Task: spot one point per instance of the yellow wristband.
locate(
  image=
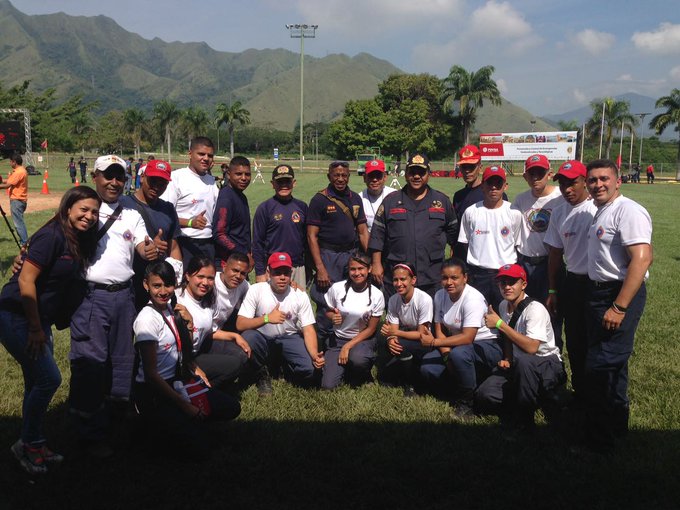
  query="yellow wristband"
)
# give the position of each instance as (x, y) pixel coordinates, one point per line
(189, 222)
(552, 291)
(266, 318)
(499, 322)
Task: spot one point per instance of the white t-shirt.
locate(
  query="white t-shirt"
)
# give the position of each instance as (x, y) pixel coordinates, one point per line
(536, 215)
(149, 326)
(356, 311)
(192, 194)
(203, 318)
(568, 231)
(467, 312)
(112, 262)
(261, 299)
(534, 323)
(372, 203)
(617, 224)
(227, 299)
(412, 314)
(491, 235)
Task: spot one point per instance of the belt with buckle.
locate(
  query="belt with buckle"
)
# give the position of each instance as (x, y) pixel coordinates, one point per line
(112, 287)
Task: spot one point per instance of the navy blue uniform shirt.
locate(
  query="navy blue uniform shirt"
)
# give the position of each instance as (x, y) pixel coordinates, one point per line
(279, 226)
(335, 227)
(48, 251)
(231, 224)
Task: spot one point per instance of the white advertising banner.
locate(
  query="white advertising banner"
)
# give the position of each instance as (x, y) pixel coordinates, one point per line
(555, 145)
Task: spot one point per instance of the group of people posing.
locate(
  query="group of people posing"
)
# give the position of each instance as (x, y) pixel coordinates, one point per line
(154, 287)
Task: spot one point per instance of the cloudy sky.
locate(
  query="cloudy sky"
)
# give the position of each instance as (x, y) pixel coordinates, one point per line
(550, 57)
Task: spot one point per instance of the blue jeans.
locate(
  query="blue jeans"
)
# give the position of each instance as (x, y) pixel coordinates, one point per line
(41, 375)
(18, 207)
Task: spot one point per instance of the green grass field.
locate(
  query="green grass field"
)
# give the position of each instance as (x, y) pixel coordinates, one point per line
(369, 447)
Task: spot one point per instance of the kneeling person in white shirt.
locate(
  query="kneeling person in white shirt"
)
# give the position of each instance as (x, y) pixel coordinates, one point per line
(531, 368)
(274, 315)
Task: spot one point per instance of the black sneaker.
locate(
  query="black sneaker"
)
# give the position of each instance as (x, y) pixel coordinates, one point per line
(463, 411)
(409, 392)
(264, 383)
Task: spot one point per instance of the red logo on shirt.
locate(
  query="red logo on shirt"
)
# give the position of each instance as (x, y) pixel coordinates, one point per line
(436, 209)
(398, 210)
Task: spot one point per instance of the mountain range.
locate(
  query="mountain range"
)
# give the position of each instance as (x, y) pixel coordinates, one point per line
(96, 57)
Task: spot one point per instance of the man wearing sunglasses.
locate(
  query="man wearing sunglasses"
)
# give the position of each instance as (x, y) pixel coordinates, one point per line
(102, 352)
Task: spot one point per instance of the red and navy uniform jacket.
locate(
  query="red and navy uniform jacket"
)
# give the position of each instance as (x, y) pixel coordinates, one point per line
(279, 226)
(405, 230)
(231, 224)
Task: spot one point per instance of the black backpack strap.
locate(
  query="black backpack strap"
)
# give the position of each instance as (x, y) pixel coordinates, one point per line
(507, 343)
(150, 226)
(109, 222)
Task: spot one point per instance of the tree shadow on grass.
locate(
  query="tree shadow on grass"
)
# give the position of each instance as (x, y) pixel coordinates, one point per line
(355, 465)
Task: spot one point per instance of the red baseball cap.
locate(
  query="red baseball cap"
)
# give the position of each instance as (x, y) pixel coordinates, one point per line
(494, 171)
(376, 165)
(158, 168)
(538, 160)
(279, 259)
(469, 155)
(571, 170)
(512, 271)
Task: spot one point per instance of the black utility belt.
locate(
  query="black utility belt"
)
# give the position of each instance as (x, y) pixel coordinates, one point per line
(534, 261)
(336, 247)
(111, 287)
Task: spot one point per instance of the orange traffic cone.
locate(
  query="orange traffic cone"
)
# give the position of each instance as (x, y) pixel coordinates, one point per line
(77, 183)
(45, 189)
(47, 175)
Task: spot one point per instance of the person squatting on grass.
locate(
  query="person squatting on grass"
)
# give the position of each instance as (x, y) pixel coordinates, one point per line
(354, 308)
(461, 343)
(32, 301)
(166, 362)
(409, 315)
(531, 368)
(221, 355)
(276, 316)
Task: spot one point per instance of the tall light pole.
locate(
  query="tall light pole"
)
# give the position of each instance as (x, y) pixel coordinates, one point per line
(642, 132)
(302, 32)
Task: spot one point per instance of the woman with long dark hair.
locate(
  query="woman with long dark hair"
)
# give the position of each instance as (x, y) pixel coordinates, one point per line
(164, 343)
(354, 307)
(220, 354)
(33, 300)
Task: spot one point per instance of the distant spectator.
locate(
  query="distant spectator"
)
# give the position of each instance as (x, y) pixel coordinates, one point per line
(83, 169)
(17, 182)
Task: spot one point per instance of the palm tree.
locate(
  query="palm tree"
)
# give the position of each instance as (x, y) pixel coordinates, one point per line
(616, 115)
(231, 115)
(167, 113)
(195, 119)
(464, 92)
(671, 116)
(134, 120)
